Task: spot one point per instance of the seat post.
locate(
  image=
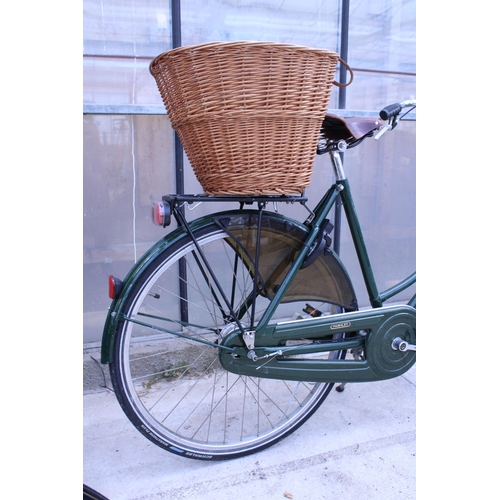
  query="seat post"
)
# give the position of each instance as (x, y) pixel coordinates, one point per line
(335, 156)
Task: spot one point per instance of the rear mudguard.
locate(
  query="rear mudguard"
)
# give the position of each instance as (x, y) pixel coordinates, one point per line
(282, 237)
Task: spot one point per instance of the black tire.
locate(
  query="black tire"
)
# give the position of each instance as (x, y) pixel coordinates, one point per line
(173, 389)
(90, 494)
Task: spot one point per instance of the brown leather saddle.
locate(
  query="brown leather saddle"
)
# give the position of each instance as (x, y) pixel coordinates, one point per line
(336, 127)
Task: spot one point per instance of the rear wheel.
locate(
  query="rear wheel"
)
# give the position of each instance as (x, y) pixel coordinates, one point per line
(172, 387)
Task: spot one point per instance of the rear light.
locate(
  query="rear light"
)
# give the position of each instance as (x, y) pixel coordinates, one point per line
(115, 287)
(161, 213)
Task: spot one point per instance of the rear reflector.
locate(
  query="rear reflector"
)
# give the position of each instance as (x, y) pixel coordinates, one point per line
(115, 287)
(160, 213)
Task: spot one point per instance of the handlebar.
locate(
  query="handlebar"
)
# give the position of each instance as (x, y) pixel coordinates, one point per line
(391, 114)
(395, 109)
(391, 110)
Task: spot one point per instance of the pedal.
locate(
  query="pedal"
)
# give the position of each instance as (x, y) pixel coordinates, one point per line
(357, 353)
(315, 313)
(398, 344)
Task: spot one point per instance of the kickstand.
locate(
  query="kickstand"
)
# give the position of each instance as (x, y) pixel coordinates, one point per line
(356, 353)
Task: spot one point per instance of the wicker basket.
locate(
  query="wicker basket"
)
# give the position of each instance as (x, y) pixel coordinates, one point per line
(248, 113)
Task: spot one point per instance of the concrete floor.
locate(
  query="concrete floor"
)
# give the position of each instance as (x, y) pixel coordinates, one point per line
(359, 445)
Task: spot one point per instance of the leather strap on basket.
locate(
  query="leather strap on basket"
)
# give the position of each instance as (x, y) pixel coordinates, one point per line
(337, 84)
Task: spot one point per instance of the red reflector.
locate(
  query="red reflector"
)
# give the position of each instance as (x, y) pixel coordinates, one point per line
(160, 213)
(115, 287)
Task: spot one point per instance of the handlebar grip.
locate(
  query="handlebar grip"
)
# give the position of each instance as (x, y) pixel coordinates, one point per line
(391, 110)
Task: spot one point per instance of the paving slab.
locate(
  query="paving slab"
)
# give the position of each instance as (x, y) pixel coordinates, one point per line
(360, 444)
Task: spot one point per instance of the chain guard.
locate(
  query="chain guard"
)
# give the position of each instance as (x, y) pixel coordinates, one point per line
(384, 360)
(380, 361)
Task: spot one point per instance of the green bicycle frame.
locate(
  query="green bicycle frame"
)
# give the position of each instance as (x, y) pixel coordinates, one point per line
(382, 325)
(266, 335)
(320, 213)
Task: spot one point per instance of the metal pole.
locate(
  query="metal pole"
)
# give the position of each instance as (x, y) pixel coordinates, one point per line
(344, 39)
(179, 152)
(344, 49)
(176, 42)
(175, 6)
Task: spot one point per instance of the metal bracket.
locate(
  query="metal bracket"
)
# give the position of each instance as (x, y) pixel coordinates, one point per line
(249, 339)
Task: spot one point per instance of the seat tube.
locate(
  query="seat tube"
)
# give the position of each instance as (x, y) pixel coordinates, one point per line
(354, 226)
(359, 244)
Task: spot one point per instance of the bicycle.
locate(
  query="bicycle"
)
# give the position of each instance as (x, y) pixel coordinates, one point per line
(230, 332)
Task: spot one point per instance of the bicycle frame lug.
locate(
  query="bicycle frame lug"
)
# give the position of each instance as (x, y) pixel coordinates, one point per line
(398, 344)
(249, 339)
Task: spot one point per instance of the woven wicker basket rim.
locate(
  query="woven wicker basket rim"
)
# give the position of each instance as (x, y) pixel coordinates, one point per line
(242, 43)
